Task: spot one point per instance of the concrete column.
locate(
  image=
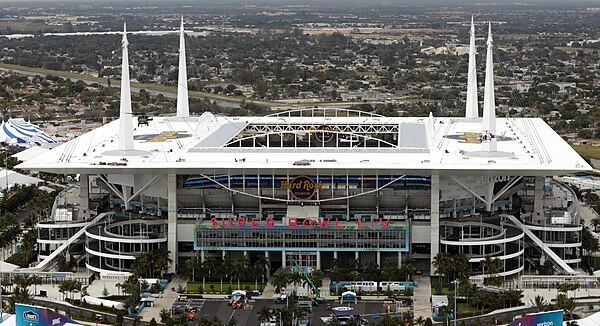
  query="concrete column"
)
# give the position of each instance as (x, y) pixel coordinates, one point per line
(490, 196)
(223, 254)
(335, 255)
(202, 256)
(318, 260)
(399, 259)
(538, 204)
(356, 255)
(435, 219)
(379, 259)
(84, 196)
(172, 220)
(283, 259)
(158, 211)
(268, 269)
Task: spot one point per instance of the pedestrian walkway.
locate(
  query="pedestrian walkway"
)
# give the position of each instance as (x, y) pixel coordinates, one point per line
(421, 298)
(268, 292)
(165, 301)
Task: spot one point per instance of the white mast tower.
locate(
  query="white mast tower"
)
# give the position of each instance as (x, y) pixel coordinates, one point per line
(488, 133)
(183, 106)
(125, 112)
(472, 110)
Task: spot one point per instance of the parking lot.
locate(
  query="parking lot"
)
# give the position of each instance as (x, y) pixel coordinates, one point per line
(189, 308)
(248, 316)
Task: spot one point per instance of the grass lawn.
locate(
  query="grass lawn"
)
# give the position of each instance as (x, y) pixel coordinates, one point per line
(194, 287)
(588, 151)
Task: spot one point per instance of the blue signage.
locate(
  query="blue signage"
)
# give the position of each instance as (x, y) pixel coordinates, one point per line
(38, 316)
(549, 318)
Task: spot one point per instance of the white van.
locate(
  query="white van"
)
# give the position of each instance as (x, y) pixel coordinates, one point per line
(364, 286)
(392, 285)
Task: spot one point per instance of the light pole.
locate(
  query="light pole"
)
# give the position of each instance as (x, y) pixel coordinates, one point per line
(455, 282)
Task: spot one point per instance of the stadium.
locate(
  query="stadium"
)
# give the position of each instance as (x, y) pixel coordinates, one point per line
(307, 186)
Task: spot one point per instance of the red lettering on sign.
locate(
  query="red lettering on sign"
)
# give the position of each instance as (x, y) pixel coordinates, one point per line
(323, 222)
(214, 222)
(384, 224)
(293, 223)
(241, 221)
(254, 224)
(269, 222)
(307, 223)
(227, 226)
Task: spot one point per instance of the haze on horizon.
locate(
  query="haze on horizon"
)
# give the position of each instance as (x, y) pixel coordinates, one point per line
(419, 3)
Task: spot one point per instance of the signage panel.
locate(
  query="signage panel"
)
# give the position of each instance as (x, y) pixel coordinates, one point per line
(38, 316)
(549, 318)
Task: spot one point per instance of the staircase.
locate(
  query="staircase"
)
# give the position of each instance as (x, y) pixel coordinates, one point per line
(560, 264)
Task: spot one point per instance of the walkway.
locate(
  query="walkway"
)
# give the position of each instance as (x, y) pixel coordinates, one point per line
(538, 242)
(164, 302)
(46, 262)
(422, 296)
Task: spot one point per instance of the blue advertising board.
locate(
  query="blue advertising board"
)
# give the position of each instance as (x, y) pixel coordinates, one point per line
(549, 318)
(39, 316)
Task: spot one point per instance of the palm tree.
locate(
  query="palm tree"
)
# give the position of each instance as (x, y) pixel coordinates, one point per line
(240, 268)
(35, 281)
(20, 295)
(259, 269)
(28, 244)
(76, 287)
(63, 288)
(491, 266)
(162, 260)
(440, 264)
(192, 265)
(460, 266)
(119, 285)
(420, 321)
(596, 223)
(296, 278)
(371, 271)
(538, 303)
(264, 314)
(281, 278)
(210, 267)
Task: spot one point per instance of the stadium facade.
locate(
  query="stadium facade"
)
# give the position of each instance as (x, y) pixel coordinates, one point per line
(305, 186)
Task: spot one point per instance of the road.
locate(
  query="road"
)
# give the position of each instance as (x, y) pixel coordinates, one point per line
(171, 92)
(222, 100)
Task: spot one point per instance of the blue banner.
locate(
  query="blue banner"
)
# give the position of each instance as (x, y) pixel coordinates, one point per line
(549, 318)
(39, 316)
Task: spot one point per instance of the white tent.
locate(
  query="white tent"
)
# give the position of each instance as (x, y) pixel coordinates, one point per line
(106, 303)
(19, 131)
(11, 178)
(592, 320)
(9, 320)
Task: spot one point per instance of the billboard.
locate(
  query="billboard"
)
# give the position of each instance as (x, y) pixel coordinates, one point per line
(39, 316)
(549, 318)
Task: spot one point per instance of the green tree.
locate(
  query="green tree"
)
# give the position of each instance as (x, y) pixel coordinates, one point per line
(35, 281)
(281, 278)
(441, 264)
(491, 267)
(264, 314)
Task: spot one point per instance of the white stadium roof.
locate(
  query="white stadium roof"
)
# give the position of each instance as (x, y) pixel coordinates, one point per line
(179, 145)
